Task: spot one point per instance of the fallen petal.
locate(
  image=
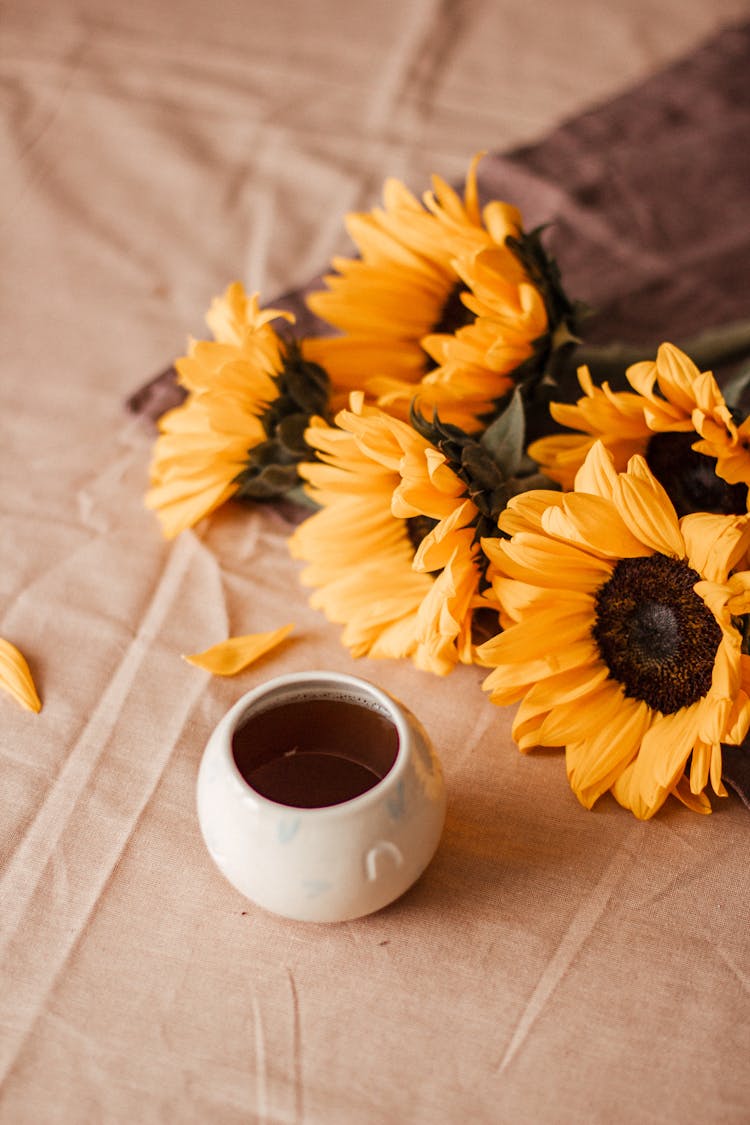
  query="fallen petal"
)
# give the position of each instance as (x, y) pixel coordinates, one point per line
(235, 654)
(15, 677)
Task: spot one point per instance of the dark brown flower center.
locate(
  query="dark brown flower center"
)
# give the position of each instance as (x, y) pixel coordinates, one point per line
(418, 528)
(303, 389)
(655, 634)
(454, 313)
(452, 316)
(690, 478)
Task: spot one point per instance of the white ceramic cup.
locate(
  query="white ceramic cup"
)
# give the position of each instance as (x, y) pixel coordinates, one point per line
(330, 863)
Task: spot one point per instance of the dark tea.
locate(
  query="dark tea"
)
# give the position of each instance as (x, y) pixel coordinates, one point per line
(314, 752)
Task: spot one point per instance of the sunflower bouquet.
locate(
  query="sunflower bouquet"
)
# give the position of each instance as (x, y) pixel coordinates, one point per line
(477, 493)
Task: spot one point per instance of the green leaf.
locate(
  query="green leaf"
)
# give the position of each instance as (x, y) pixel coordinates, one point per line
(439, 433)
(505, 438)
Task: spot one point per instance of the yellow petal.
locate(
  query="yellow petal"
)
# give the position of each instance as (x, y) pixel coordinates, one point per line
(444, 617)
(677, 376)
(15, 677)
(235, 654)
(571, 684)
(524, 512)
(573, 720)
(627, 793)
(594, 763)
(579, 683)
(471, 192)
(548, 632)
(715, 770)
(396, 641)
(739, 584)
(597, 473)
(699, 766)
(714, 543)
(738, 721)
(178, 508)
(662, 756)
(509, 681)
(439, 545)
(561, 456)
(697, 802)
(516, 598)
(647, 510)
(548, 563)
(593, 523)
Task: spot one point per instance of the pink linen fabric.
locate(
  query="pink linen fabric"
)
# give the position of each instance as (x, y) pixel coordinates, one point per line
(553, 964)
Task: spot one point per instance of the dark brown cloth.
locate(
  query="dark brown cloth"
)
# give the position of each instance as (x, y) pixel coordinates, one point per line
(647, 201)
(646, 197)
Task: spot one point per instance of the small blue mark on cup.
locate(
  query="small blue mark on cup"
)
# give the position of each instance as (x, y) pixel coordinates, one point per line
(397, 802)
(315, 887)
(287, 830)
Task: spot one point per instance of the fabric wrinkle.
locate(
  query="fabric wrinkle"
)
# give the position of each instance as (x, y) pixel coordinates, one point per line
(569, 946)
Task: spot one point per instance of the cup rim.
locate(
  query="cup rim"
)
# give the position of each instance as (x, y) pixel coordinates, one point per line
(233, 719)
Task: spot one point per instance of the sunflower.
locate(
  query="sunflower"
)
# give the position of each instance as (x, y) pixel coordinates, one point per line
(202, 448)
(727, 442)
(620, 639)
(392, 551)
(242, 331)
(425, 271)
(675, 417)
(477, 365)
(236, 319)
(239, 431)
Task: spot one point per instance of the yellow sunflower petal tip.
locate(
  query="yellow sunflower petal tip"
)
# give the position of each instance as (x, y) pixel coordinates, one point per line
(15, 677)
(237, 653)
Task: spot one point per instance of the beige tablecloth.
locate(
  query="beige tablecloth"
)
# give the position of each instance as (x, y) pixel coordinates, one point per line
(552, 965)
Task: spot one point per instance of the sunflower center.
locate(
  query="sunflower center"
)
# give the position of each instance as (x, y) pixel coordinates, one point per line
(690, 478)
(418, 528)
(454, 313)
(303, 390)
(655, 634)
